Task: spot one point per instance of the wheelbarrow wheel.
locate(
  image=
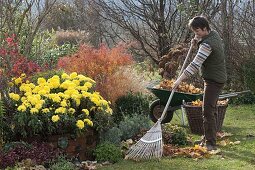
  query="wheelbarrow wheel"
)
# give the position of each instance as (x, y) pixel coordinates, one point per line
(156, 110)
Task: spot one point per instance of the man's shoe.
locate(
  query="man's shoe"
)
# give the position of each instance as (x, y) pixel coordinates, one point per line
(210, 147)
(200, 142)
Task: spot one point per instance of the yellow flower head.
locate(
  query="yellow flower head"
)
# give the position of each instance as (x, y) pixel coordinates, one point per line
(64, 76)
(108, 110)
(86, 111)
(88, 122)
(41, 80)
(80, 124)
(18, 81)
(45, 110)
(63, 103)
(14, 96)
(22, 108)
(77, 82)
(34, 110)
(73, 75)
(55, 118)
(88, 84)
(71, 110)
(23, 75)
(60, 110)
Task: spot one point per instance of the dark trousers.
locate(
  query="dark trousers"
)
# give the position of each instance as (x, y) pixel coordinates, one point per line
(211, 94)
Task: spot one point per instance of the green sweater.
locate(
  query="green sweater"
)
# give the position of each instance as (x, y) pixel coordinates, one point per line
(214, 67)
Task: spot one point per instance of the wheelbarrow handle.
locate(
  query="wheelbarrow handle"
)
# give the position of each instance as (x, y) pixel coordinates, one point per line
(234, 94)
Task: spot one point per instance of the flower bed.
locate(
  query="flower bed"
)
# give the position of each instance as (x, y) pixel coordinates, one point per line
(62, 104)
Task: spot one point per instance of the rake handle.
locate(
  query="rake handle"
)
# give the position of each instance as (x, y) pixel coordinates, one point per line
(173, 90)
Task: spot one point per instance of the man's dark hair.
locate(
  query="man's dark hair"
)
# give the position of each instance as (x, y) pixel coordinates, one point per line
(199, 22)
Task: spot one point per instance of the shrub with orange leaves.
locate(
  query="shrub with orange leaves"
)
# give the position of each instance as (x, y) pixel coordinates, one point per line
(100, 64)
(125, 80)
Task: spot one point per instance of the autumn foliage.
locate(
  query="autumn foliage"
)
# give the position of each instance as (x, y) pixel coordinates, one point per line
(100, 64)
(12, 62)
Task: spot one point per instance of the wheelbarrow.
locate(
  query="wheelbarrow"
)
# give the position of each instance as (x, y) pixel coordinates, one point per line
(158, 105)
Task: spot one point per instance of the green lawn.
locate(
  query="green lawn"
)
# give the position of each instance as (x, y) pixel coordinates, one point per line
(239, 120)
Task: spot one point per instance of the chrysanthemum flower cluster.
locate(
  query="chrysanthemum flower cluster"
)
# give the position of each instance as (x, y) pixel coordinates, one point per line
(60, 98)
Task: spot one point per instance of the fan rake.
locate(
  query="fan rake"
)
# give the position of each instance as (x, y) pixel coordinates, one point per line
(151, 144)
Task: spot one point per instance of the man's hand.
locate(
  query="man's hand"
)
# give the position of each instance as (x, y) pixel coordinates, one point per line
(195, 40)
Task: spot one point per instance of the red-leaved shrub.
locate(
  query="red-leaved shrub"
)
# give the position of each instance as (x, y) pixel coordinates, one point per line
(100, 64)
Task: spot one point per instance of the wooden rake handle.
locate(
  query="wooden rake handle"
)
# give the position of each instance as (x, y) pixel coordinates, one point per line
(173, 90)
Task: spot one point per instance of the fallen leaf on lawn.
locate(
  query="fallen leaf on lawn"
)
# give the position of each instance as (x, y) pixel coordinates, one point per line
(237, 142)
(195, 152)
(231, 143)
(223, 134)
(214, 152)
(223, 143)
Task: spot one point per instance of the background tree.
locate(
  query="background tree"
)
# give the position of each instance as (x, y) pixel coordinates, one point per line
(24, 18)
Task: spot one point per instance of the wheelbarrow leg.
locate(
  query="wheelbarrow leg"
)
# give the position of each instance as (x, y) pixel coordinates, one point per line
(183, 115)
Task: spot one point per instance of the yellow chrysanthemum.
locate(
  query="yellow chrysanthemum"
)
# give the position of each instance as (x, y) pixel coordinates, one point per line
(55, 83)
(93, 108)
(86, 111)
(80, 124)
(18, 81)
(83, 78)
(55, 118)
(104, 102)
(41, 80)
(22, 108)
(83, 88)
(71, 110)
(65, 76)
(34, 110)
(88, 122)
(23, 75)
(77, 82)
(63, 103)
(42, 92)
(73, 75)
(88, 84)
(95, 100)
(14, 96)
(55, 98)
(38, 106)
(77, 102)
(86, 94)
(25, 88)
(45, 110)
(108, 110)
(60, 110)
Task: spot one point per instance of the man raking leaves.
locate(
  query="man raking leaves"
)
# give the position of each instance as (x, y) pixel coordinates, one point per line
(210, 60)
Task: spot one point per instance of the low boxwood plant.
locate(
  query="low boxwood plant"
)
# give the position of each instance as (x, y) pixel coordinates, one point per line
(108, 152)
(62, 163)
(130, 104)
(174, 134)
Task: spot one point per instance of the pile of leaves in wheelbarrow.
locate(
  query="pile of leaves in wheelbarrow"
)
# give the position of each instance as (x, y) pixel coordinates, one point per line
(183, 87)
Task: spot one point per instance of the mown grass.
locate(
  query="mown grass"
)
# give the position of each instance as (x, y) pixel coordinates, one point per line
(239, 121)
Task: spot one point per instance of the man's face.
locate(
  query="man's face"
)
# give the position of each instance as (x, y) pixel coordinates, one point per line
(200, 33)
